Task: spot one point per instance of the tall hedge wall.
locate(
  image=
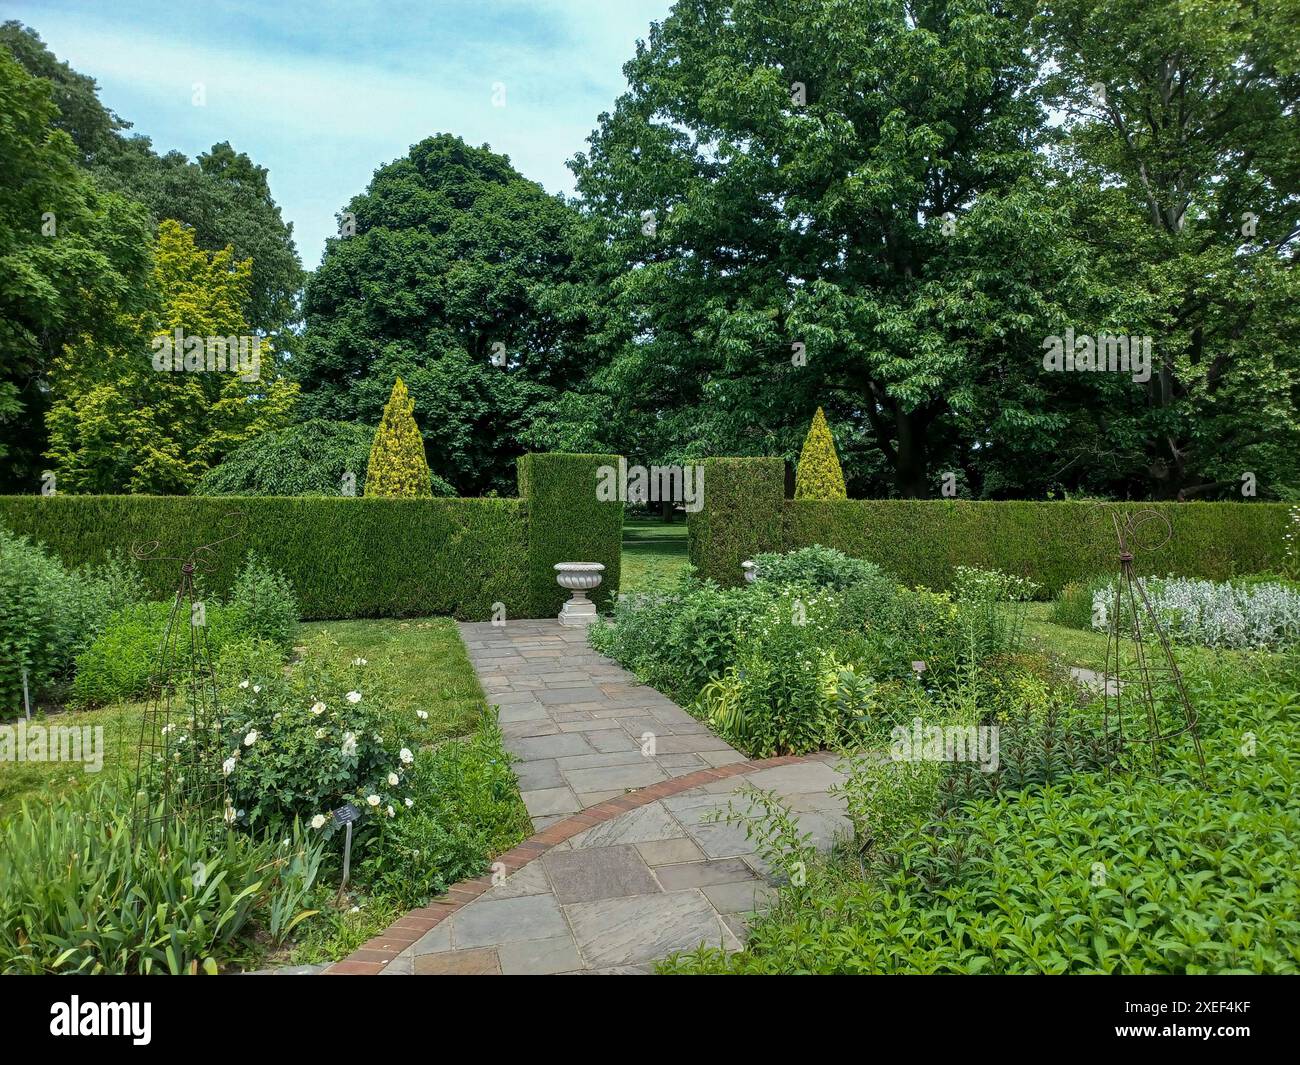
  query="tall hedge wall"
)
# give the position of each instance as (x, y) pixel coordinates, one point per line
(567, 523)
(1052, 543)
(741, 516)
(920, 541)
(347, 557)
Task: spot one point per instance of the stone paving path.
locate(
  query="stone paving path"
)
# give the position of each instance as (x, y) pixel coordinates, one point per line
(576, 722)
(623, 785)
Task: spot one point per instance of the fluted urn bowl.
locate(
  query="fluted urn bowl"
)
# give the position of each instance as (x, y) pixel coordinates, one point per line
(578, 578)
(750, 569)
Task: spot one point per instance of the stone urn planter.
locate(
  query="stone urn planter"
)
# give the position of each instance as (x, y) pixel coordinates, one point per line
(751, 571)
(578, 578)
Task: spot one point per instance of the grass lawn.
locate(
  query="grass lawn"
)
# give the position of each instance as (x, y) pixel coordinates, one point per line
(430, 669)
(652, 550)
(428, 665)
(1083, 647)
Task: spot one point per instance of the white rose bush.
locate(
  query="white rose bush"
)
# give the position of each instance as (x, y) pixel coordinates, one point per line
(299, 745)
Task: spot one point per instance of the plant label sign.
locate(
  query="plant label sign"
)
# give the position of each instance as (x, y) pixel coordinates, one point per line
(346, 814)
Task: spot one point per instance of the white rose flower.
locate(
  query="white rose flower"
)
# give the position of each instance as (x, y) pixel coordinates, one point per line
(228, 766)
(256, 688)
(358, 661)
(320, 733)
(409, 803)
(353, 697)
(423, 715)
(243, 684)
(349, 744)
(251, 738)
(373, 800)
(390, 811)
(318, 821)
(406, 756)
(392, 780)
(318, 708)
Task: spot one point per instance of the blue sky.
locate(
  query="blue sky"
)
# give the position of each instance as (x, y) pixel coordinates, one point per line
(324, 92)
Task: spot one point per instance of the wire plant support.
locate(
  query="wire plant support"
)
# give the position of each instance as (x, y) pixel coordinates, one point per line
(1145, 703)
(178, 763)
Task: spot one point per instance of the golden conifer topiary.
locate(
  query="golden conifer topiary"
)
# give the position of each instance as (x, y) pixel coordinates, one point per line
(819, 475)
(398, 467)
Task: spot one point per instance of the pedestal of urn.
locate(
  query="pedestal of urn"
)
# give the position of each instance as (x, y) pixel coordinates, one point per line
(578, 578)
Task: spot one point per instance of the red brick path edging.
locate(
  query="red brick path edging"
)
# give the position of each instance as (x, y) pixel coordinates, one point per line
(375, 954)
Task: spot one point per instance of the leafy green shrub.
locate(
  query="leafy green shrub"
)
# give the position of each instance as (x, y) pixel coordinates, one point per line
(37, 628)
(821, 567)
(119, 662)
(678, 637)
(1073, 605)
(465, 807)
(49, 615)
(975, 584)
(311, 458)
(264, 603)
(783, 695)
(1082, 873)
(74, 898)
(299, 746)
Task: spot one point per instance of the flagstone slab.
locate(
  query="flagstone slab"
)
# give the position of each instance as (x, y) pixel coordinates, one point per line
(598, 873)
(645, 928)
(480, 962)
(488, 922)
(540, 957)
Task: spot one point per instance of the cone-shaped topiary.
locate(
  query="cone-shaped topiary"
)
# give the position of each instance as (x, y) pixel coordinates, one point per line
(397, 463)
(819, 475)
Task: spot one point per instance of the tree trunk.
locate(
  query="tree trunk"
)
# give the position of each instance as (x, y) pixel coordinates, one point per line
(910, 464)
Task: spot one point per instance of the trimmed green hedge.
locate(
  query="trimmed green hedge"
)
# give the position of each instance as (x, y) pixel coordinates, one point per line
(566, 523)
(346, 557)
(741, 516)
(921, 540)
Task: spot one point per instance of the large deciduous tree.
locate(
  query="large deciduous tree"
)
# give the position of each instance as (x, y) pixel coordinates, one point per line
(73, 261)
(1184, 131)
(854, 177)
(460, 276)
(125, 418)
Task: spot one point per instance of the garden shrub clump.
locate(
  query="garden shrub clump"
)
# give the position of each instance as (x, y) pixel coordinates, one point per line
(814, 653)
(821, 567)
(120, 660)
(1052, 864)
(50, 613)
(74, 898)
(1236, 615)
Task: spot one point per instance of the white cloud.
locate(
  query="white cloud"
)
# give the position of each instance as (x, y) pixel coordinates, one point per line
(323, 118)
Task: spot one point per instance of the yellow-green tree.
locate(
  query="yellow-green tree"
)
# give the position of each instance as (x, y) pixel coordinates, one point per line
(819, 475)
(397, 463)
(181, 385)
